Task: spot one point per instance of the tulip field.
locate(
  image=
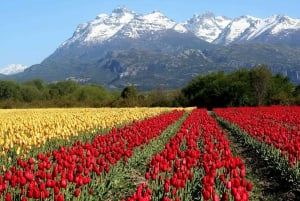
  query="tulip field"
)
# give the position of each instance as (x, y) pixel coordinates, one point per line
(23, 129)
(276, 126)
(141, 153)
(274, 132)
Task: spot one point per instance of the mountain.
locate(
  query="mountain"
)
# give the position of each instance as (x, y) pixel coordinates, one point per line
(275, 29)
(149, 51)
(207, 27)
(279, 58)
(2, 76)
(13, 69)
(120, 62)
(121, 23)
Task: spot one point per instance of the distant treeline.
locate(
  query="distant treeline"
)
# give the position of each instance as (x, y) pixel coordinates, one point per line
(37, 93)
(240, 88)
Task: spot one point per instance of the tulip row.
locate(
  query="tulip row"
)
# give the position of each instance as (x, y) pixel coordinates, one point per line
(288, 116)
(219, 164)
(21, 130)
(123, 179)
(199, 152)
(63, 173)
(269, 127)
(256, 137)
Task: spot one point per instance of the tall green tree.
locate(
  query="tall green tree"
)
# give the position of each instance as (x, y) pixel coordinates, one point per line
(63, 88)
(260, 78)
(297, 94)
(281, 90)
(92, 93)
(129, 92)
(37, 83)
(297, 90)
(30, 93)
(240, 89)
(208, 91)
(10, 90)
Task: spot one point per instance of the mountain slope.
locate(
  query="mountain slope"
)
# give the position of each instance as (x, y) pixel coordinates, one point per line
(2, 76)
(280, 59)
(114, 62)
(151, 69)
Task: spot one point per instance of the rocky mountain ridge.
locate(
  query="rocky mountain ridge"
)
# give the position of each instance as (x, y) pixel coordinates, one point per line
(149, 51)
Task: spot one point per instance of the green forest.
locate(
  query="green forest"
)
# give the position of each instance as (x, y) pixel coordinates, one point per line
(251, 87)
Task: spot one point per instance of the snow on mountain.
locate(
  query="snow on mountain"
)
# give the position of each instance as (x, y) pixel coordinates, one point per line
(13, 69)
(155, 21)
(124, 23)
(207, 26)
(158, 21)
(121, 22)
(285, 23)
(247, 28)
(102, 28)
(237, 29)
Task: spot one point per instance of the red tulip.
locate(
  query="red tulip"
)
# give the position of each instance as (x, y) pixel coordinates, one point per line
(60, 198)
(249, 186)
(76, 192)
(7, 197)
(63, 183)
(23, 199)
(225, 197)
(166, 188)
(91, 191)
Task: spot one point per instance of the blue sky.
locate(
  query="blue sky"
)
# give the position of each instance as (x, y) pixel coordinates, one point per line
(30, 30)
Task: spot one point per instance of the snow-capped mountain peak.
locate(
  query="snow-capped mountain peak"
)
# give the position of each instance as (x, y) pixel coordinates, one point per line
(124, 23)
(208, 14)
(207, 26)
(150, 23)
(122, 15)
(284, 23)
(121, 10)
(246, 28)
(102, 28)
(158, 20)
(13, 69)
(237, 29)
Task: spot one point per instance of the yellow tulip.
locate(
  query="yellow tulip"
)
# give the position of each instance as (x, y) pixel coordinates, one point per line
(28, 128)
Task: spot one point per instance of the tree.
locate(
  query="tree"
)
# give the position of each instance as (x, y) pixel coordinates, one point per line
(297, 100)
(260, 79)
(297, 94)
(37, 83)
(280, 90)
(30, 93)
(10, 90)
(297, 90)
(240, 90)
(129, 98)
(208, 91)
(64, 87)
(129, 92)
